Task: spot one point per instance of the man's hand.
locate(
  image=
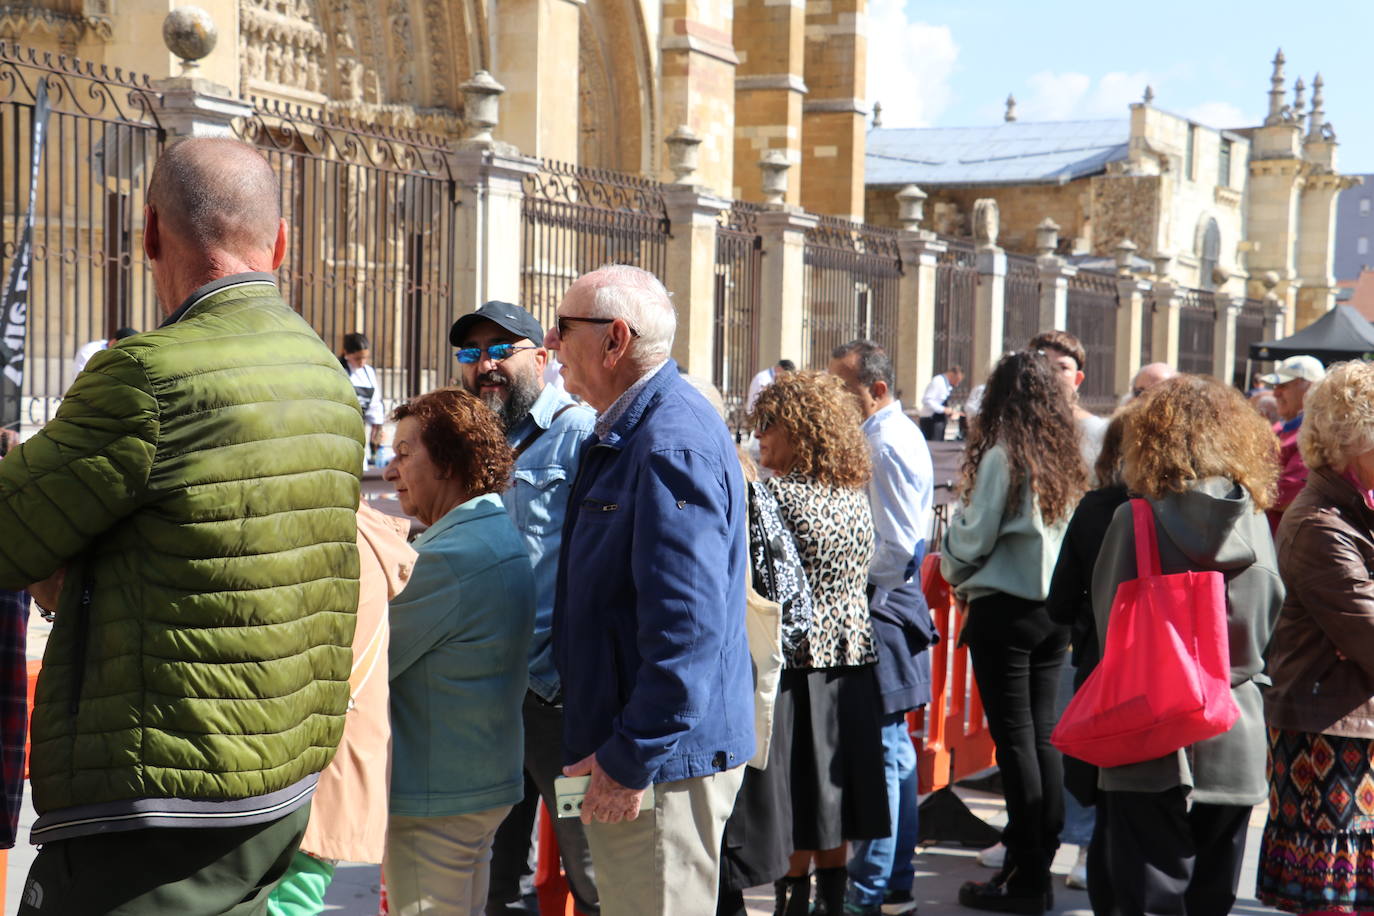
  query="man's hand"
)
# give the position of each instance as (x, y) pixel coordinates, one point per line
(606, 801)
(49, 590)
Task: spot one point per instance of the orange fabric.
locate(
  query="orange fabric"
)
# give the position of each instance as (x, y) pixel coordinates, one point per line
(348, 817)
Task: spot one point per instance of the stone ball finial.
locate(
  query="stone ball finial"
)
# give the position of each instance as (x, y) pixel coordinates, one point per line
(1125, 256)
(1270, 279)
(877, 114)
(189, 32)
(1011, 108)
(684, 153)
(774, 166)
(481, 98)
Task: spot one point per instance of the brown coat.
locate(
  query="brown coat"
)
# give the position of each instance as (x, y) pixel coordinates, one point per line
(348, 817)
(1326, 558)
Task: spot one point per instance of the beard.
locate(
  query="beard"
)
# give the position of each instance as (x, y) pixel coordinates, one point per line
(521, 393)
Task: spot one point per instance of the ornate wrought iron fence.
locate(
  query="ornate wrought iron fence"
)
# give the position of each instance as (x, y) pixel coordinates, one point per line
(1197, 322)
(1249, 330)
(371, 215)
(575, 220)
(1092, 309)
(739, 261)
(1021, 319)
(852, 280)
(88, 275)
(956, 294)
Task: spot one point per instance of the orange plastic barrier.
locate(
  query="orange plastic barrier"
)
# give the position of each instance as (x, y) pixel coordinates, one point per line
(950, 734)
(550, 884)
(5, 853)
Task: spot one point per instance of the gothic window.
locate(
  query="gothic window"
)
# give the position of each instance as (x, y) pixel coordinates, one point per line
(1209, 255)
(1362, 246)
(1189, 152)
(1364, 206)
(1224, 164)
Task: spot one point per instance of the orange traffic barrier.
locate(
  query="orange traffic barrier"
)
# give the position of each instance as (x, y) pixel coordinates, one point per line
(550, 884)
(950, 734)
(32, 684)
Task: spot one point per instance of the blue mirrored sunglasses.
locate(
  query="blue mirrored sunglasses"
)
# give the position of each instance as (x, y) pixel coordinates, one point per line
(497, 352)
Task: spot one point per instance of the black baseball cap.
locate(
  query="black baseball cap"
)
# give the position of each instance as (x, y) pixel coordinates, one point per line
(511, 317)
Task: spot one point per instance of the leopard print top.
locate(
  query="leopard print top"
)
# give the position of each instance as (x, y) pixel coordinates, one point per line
(834, 532)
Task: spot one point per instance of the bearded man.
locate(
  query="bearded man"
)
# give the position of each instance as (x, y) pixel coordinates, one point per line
(501, 360)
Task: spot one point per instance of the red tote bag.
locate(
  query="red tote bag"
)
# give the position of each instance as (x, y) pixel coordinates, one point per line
(1164, 681)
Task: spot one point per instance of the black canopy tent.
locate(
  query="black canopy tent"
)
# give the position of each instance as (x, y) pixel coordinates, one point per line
(1342, 333)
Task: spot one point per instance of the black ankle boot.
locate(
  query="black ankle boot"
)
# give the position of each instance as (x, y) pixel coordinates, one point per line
(1005, 894)
(793, 896)
(830, 884)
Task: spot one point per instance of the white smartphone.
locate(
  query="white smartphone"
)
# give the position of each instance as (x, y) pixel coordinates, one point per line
(568, 792)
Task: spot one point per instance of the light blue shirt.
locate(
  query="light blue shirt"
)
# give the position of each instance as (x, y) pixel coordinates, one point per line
(901, 493)
(537, 501)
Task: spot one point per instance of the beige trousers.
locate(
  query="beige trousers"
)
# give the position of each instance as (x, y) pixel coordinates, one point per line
(440, 866)
(666, 862)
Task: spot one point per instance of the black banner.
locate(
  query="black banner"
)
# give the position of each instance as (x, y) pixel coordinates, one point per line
(14, 307)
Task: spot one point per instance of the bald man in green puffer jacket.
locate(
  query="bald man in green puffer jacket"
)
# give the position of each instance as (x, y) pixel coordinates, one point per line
(194, 497)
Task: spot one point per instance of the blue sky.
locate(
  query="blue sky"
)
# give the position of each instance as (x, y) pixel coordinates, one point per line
(950, 63)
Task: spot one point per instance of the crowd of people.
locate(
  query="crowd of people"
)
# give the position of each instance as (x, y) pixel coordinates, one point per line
(702, 664)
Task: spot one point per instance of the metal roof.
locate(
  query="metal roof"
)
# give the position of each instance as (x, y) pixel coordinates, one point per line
(1013, 152)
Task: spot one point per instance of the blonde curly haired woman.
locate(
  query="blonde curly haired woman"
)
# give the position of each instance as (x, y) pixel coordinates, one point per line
(808, 426)
(1318, 849)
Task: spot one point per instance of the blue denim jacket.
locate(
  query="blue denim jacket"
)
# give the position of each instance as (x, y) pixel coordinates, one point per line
(648, 629)
(537, 501)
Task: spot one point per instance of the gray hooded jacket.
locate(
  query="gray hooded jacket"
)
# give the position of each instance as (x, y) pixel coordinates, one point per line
(1214, 525)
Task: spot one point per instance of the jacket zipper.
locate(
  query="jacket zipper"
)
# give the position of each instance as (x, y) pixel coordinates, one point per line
(83, 621)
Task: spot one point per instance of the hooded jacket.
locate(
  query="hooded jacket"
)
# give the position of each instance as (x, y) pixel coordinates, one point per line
(1212, 526)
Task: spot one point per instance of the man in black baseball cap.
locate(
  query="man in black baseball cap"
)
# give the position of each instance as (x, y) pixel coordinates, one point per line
(501, 359)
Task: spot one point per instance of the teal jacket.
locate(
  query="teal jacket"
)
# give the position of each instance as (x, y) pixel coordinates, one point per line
(198, 484)
(997, 541)
(460, 634)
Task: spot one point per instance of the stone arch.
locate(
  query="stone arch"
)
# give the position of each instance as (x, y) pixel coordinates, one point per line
(617, 104)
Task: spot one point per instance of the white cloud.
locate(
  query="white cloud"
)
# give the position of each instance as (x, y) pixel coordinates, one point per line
(1073, 96)
(909, 65)
(1220, 114)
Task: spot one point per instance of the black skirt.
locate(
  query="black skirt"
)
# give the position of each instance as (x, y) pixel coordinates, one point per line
(839, 788)
(757, 844)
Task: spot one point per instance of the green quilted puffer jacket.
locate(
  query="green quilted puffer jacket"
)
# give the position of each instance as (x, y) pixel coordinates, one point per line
(199, 484)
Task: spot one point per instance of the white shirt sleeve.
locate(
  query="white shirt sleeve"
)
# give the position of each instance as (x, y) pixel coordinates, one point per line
(901, 494)
(376, 410)
(937, 393)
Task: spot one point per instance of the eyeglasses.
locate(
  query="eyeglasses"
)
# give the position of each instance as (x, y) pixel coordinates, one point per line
(564, 319)
(498, 352)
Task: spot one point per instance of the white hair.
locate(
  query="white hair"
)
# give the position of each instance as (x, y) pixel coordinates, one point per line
(641, 299)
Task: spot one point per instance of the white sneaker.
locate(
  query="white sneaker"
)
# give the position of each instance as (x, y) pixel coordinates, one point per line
(1077, 878)
(993, 856)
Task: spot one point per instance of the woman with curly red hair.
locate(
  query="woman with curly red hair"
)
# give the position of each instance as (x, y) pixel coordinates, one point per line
(808, 426)
(460, 634)
(1206, 463)
(1022, 476)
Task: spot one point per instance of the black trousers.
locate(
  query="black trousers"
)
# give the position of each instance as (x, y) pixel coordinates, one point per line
(1017, 651)
(190, 871)
(1166, 858)
(510, 851)
(933, 427)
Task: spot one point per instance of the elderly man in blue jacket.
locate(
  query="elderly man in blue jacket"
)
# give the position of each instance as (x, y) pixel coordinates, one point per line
(648, 629)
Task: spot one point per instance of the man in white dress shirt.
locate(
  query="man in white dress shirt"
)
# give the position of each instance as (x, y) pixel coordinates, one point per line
(933, 412)
(765, 378)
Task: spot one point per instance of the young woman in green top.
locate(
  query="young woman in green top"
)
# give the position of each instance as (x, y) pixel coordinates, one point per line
(1022, 475)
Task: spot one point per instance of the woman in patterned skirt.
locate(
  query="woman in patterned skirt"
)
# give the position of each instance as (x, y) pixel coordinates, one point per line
(809, 435)
(1318, 849)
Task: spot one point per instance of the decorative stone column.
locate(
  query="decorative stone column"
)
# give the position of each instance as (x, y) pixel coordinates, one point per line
(1131, 302)
(691, 273)
(911, 207)
(774, 166)
(920, 252)
(781, 286)
(989, 312)
(1165, 331)
(1224, 335)
(193, 106)
(1275, 317)
(490, 179)
(1054, 277)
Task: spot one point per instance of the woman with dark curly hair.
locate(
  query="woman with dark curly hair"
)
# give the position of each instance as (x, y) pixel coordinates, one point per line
(808, 426)
(1207, 463)
(1022, 475)
(460, 632)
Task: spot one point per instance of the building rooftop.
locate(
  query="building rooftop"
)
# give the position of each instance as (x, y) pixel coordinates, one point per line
(1013, 152)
